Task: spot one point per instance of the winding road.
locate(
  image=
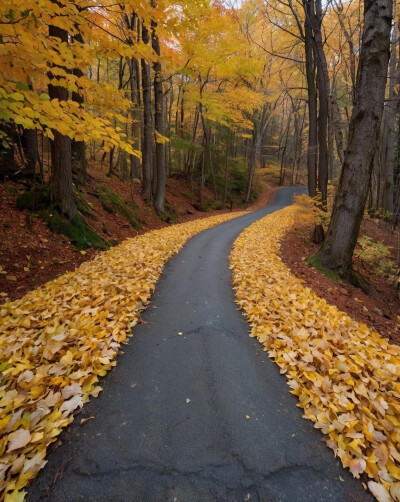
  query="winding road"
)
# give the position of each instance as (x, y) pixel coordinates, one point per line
(194, 410)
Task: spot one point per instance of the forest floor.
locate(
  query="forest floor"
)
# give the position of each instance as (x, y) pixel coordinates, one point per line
(380, 309)
(31, 255)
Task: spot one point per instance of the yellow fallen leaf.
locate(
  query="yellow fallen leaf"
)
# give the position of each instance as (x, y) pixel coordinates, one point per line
(15, 496)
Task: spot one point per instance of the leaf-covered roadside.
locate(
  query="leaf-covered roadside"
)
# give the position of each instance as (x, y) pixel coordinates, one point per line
(57, 341)
(345, 375)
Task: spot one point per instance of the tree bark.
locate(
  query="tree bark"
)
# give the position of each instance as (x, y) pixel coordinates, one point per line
(390, 113)
(61, 165)
(337, 250)
(78, 148)
(312, 152)
(147, 145)
(159, 125)
(30, 147)
(338, 128)
(323, 86)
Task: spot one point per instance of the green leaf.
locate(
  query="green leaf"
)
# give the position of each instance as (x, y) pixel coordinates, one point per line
(44, 97)
(22, 86)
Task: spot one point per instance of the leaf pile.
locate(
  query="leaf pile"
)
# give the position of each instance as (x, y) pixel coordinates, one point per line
(345, 375)
(58, 340)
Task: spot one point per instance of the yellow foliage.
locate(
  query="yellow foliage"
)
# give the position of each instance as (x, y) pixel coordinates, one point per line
(56, 341)
(345, 375)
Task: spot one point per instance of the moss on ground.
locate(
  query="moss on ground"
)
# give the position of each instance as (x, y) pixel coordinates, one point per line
(114, 203)
(314, 261)
(80, 234)
(81, 204)
(169, 214)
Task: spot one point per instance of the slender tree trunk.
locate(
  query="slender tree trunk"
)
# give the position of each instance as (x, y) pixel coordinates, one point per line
(78, 148)
(337, 250)
(30, 147)
(159, 198)
(133, 24)
(226, 174)
(337, 127)
(312, 152)
(323, 98)
(61, 172)
(391, 111)
(147, 145)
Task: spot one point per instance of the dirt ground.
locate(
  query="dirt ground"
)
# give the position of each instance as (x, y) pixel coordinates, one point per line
(380, 309)
(31, 255)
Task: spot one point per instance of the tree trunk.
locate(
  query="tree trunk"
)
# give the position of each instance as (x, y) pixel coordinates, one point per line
(30, 147)
(312, 152)
(133, 24)
(337, 250)
(147, 145)
(391, 111)
(323, 98)
(338, 128)
(159, 198)
(61, 166)
(78, 148)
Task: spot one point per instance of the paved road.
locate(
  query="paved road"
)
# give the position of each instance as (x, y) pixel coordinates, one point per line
(171, 422)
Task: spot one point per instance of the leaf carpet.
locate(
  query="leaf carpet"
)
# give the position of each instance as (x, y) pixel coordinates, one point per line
(345, 375)
(58, 340)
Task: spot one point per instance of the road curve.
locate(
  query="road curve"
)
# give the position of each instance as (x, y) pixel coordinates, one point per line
(194, 410)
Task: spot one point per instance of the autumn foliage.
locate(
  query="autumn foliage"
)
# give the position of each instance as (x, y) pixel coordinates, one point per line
(345, 375)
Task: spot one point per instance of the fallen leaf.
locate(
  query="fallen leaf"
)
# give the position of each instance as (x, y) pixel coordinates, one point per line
(15, 496)
(379, 492)
(18, 439)
(84, 420)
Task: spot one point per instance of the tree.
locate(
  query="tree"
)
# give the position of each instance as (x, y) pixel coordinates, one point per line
(61, 173)
(161, 173)
(337, 250)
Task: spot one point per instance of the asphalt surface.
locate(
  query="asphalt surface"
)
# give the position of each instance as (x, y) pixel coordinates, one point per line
(198, 416)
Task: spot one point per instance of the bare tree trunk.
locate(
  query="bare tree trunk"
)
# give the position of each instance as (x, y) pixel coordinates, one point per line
(323, 97)
(391, 111)
(159, 198)
(337, 127)
(312, 152)
(147, 145)
(30, 147)
(337, 250)
(78, 148)
(61, 172)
